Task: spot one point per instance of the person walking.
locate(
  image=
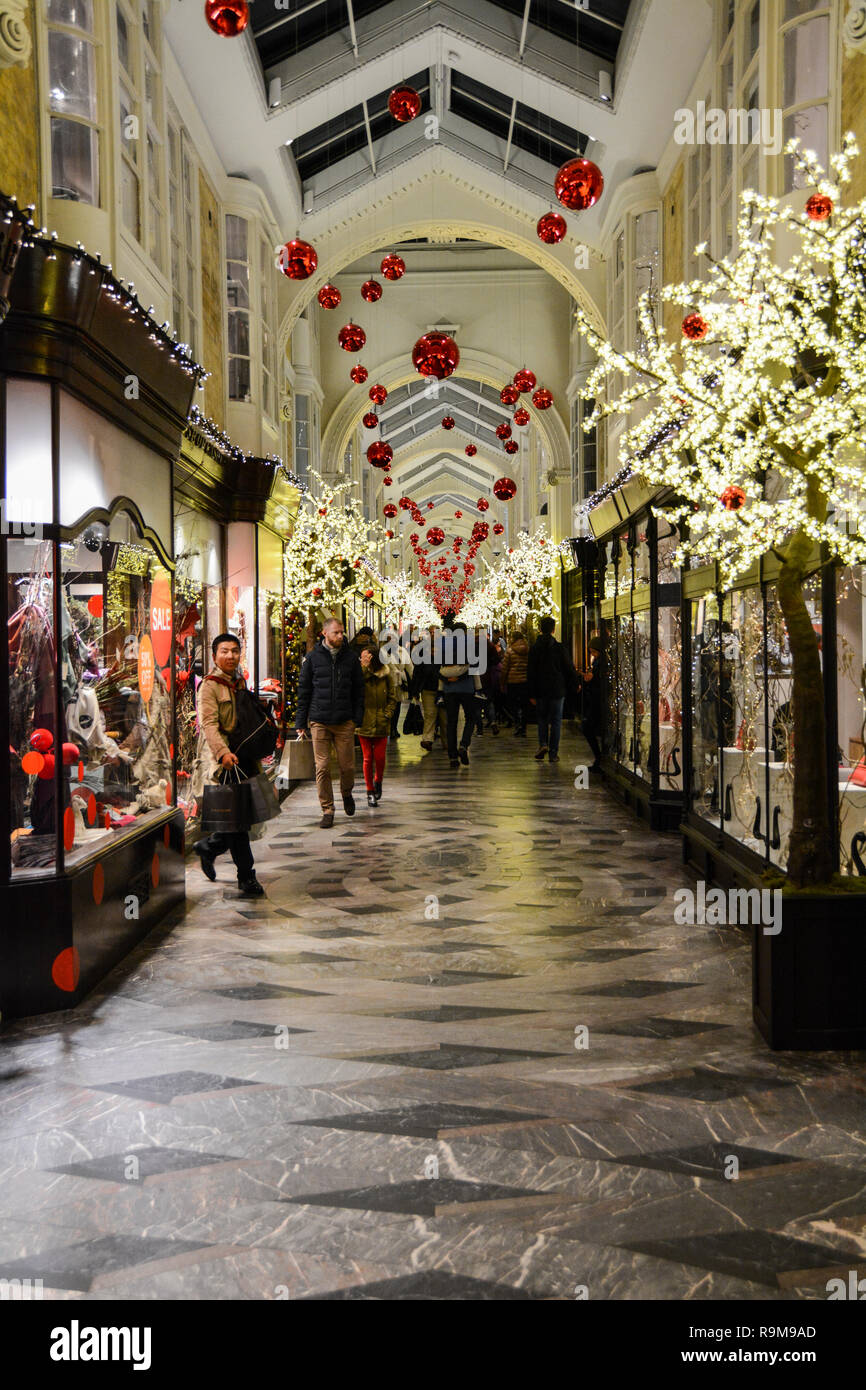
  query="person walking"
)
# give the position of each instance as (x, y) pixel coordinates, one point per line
(217, 713)
(512, 676)
(550, 675)
(458, 686)
(424, 685)
(592, 683)
(380, 698)
(330, 705)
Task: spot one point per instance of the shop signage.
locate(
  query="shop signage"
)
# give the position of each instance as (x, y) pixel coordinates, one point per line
(160, 618)
(146, 668)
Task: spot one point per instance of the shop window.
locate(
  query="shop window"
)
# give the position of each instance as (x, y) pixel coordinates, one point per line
(183, 221)
(706, 647)
(805, 64)
(267, 312)
(142, 129)
(302, 437)
(851, 677)
(73, 101)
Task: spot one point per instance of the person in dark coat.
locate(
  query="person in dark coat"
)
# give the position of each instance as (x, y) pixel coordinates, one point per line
(424, 685)
(330, 705)
(592, 683)
(550, 675)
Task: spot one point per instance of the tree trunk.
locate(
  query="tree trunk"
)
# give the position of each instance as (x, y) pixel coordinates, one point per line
(810, 858)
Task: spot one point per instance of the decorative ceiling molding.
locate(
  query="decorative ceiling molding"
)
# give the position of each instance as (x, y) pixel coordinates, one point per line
(16, 45)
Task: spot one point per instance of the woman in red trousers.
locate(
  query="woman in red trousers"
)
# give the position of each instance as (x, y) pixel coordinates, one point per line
(380, 701)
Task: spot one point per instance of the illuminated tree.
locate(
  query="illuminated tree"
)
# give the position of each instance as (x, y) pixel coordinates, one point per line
(518, 584)
(756, 418)
(330, 536)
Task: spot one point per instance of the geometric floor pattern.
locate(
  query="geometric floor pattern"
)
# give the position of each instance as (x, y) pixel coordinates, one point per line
(460, 1051)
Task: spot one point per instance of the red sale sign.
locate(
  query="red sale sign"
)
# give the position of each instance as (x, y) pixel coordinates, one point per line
(160, 618)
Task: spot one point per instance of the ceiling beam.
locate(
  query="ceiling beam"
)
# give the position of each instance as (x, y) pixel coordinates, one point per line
(524, 28)
(510, 134)
(352, 30)
(369, 136)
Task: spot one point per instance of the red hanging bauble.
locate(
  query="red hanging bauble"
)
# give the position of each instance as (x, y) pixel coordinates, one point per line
(578, 184)
(509, 395)
(298, 259)
(368, 593)
(551, 228)
(498, 528)
(695, 328)
(435, 535)
(521, 416)
(524, 380)
(542, 399)
(468, 568)
(819, 207)
(227, 17)
(317, 593)
(470, 451)
(511, 446)
(404, 104)
(732, 498)
(407, 504)
(458, 515)
(329, 296)
(359, 374)
(429, 506)
(390, 509)
(435, 354)
(480, 531)
(503, 431)
(389, 535)
(379, 453)
(370, 420)
(378, 394)
(448, 422)
(504, 489)
(417, 517)
(414, 538)
(482, 504)
(388, 482)
(351, 337)
(371, 290)
(393, 266)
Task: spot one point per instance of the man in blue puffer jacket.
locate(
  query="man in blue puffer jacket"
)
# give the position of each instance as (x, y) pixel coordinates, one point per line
(330, 705)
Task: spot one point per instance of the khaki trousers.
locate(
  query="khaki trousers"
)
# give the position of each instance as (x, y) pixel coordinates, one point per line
(342, 736)
(433, 714)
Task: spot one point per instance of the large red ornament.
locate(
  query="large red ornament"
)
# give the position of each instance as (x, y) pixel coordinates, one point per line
(435, 354)
(379, 453)
(511, 446)
(359, 374)
(482, 504)
(504, 489)
(542, 399)
(503, 431)
(227, 17)
(470, 451)
(551, 228)
(41, 740)
(448, 422)
(329, 296)
(695, 328)
(368, 593)
(732, 498)
(407, 504)
(480, 531)
(371, 290)
(819, 207)
(435, 535)
(393, 266)
(388, 482)
(378, 393)
(458, 515)
(414, 538)
(524, 380)
(370, 420)
(390, 509)
(509, 395)
(521, 416)
(578, 184)
(351, 337)
(404, 104)
(298, 260)
(498, 528)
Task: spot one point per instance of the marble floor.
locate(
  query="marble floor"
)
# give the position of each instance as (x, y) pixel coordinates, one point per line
(459, 1051)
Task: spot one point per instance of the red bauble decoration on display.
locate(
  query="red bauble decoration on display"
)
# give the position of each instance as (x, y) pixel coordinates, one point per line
(414, 538)
(387, 482)
(41, 740)
(509, 395)
(368, 593)
(378, 394)
(732, 498)
(480, 531)
(470, 451)
(482, 504)
(404, 104)
(407, 504)
(551, 228)
(435, 535)
(458, 515)
(542, 399)
(511, 446)
(819, 207)
(329, 296)
(435, 354)
(429, 506)
(298, 259)
(578, 184)
(521, 416)
(370, 420)
(468, 568)
(503, 431)
(371, 290)
(390, 509)
(351, 337)
(417, 517)
(448, 422)
(359, 374)
(498, 528)
(504, 489)
(379, 453)
(524, 380)
(695, 328)
(46, 771)
(389, 535)
(227, 17)
(393, 266)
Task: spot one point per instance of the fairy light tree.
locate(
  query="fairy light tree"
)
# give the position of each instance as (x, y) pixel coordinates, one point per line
(322, 561)
(405, 603)
(757, 416)
(517, 584)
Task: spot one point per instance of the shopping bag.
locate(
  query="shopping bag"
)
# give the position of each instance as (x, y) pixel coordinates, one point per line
(224, 805)
(261, 798)
(414, 721)
(298, 763)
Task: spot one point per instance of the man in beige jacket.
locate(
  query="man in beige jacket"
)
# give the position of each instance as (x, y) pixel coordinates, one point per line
(216, 712)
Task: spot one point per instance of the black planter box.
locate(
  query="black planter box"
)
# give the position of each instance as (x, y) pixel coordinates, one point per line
(809, 981)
